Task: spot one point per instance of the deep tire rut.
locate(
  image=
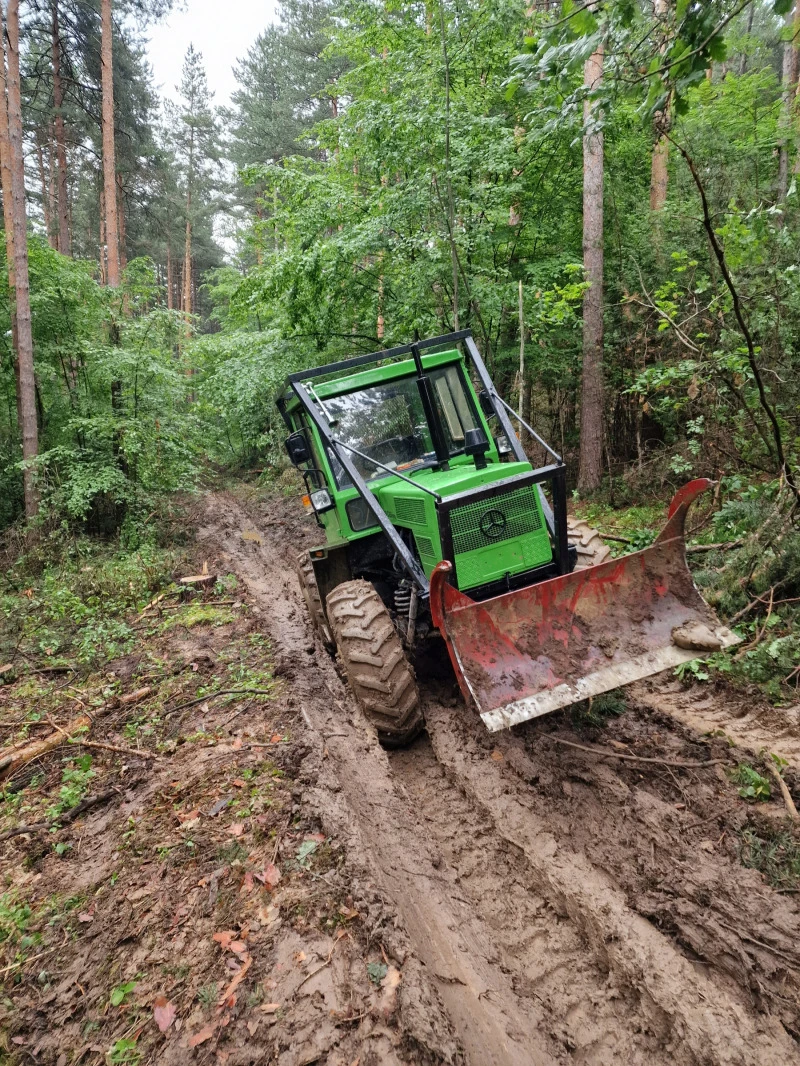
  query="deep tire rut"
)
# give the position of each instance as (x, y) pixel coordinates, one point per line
(529, 952)
(587, 1014)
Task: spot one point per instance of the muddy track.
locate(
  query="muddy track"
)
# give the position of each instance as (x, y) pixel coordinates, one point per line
(552, 909)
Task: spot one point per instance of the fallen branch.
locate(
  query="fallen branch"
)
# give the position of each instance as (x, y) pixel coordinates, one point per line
(222, 692)
(722, 546)
(19, 758)
(787, 796)
(632, 758)
(66, 818)
(137, 753)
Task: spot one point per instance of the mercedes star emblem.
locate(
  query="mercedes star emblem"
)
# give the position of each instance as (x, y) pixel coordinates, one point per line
(493, 524)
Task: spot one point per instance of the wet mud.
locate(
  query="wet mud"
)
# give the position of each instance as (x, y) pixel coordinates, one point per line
(542, 904)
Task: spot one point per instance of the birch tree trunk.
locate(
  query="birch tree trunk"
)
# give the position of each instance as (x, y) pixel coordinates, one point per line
(109, 156)
(26, 382)
(63, 244)
(591, 449)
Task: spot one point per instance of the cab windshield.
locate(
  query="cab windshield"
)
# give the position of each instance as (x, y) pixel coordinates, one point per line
(387, 422)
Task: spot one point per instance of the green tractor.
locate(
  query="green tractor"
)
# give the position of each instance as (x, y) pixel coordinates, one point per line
(436, 524)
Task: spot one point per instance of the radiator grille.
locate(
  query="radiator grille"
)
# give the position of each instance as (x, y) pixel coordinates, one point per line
(425, 549)
(518, 513)
(410, 511)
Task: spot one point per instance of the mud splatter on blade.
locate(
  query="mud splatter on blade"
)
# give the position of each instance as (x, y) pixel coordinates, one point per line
(529, 652)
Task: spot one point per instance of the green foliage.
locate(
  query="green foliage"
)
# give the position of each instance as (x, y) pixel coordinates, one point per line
(14, 918)
(754, 786)
(376, 971)
(775, 853)
(121, 992)
(68, 597)
(75, 778)
(597, 710)
(124, 1050)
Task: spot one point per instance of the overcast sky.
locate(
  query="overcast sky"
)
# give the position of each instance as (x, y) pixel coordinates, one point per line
(222, 30)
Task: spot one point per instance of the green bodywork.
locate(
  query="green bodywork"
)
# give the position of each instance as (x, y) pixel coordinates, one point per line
(524, 542)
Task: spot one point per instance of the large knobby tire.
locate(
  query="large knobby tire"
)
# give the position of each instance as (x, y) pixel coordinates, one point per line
(589, 543)
(308, 583)
(375, 662)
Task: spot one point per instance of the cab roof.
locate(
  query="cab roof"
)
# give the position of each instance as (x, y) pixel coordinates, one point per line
(354, 382)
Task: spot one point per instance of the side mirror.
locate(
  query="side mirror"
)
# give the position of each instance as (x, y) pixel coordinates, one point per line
(297, 448)
(476, 445)
(486, 403)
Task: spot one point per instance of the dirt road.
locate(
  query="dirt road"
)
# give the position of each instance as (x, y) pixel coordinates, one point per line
(551, 907)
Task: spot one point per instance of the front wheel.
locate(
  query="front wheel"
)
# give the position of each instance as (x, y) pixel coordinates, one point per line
(372, 653)
(588, 542)
(311, 594)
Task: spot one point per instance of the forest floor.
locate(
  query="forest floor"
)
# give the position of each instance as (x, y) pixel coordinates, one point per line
(252, 878)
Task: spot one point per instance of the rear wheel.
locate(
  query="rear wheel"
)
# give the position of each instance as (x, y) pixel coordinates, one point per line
(311, 594)
(589, 543)
(374, 660)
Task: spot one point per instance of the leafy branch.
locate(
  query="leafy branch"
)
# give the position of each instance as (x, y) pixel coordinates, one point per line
(719, 255)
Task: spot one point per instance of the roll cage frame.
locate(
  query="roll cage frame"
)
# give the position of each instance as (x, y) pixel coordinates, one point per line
(299, 385)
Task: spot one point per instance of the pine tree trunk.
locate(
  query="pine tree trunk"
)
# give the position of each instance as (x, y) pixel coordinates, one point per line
(591, 450)
(109, 157)
(26, 403)
(61, 147)
(187, 274)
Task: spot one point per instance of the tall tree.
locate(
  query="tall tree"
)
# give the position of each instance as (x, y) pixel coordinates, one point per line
(60, 137)
(109, 155)
(591, 448)
(659, 175)
(196, 138)
(26, 382)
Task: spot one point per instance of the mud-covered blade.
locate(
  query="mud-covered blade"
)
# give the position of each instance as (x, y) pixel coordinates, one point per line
(529, 652)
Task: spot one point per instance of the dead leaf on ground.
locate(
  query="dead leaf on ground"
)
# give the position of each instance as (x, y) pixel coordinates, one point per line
(224, 938)
(348, 913)
(270, 1008)
(247, 883)
(236, 829)
(252, 1026)
(238, 946)
(239, 782)
(229, 991)
(84, 916)
(268, 915)
(497, 755)
(269, 876)
(201, 1036)
(187, 816)
(163, 1012)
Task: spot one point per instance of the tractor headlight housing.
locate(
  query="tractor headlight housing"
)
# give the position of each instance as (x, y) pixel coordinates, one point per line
(321, 500)
(503, 446)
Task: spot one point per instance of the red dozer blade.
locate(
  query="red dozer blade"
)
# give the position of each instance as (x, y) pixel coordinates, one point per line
(529, 652)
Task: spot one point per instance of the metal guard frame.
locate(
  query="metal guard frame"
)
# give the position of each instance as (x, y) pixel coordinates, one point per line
(554, 473)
